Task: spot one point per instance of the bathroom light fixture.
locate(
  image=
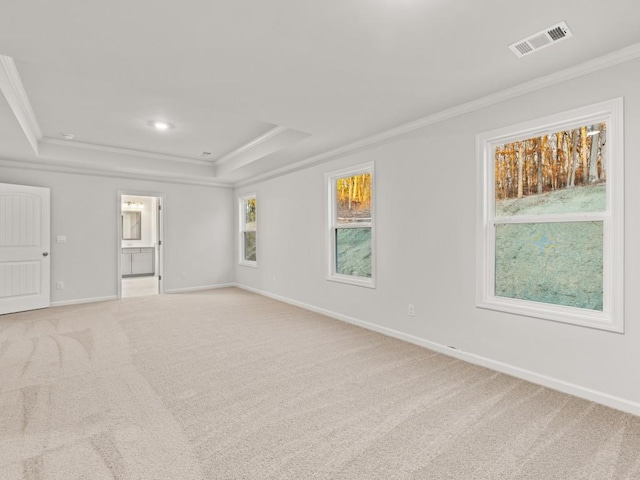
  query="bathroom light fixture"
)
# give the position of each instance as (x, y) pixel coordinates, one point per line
(160, 125)
(132, 206)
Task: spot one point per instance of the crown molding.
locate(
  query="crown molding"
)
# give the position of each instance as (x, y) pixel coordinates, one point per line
(600, 63)
(123, 151)
(58, 167)
(250, 145)
(13, 90)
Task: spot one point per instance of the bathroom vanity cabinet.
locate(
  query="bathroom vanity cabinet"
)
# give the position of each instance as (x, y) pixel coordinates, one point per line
(138, 261)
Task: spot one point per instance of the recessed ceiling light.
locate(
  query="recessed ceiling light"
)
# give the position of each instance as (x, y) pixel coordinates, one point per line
(67, 136)
(160, 125)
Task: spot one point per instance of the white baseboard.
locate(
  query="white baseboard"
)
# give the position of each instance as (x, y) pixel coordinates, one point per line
(612, 401)
(115, 297)
(78, 301)
(202, 287)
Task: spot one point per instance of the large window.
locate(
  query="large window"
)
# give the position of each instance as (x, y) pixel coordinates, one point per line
(350, 226)
(248, 231)
(550, 233)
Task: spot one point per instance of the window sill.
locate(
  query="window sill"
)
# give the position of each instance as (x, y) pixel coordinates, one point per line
(248, 263)
(556, 313)
(350, 280)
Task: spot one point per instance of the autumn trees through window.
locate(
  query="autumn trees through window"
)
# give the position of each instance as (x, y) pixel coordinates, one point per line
(248, 230)
(562, 159)
(550, 224)
(350, 226)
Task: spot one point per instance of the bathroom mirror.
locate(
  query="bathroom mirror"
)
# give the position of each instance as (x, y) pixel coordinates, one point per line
(131, 225)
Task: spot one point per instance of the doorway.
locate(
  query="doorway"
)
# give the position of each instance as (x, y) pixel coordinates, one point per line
(140, 244)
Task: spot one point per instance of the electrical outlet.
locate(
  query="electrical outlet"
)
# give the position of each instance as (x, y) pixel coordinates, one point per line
(411, 310)
(183, 276)
(59, 285)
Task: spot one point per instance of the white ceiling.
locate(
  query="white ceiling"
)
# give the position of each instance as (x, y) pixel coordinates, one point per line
(262, 85)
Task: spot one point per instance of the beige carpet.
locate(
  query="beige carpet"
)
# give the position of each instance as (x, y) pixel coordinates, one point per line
(226, 384)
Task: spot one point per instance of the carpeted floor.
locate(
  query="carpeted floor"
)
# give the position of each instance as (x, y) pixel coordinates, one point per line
(225, 384)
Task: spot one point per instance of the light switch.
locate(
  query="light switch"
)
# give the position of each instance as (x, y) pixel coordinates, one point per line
(61, 239)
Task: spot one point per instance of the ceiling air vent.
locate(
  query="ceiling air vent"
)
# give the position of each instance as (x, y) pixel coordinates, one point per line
(541, 39)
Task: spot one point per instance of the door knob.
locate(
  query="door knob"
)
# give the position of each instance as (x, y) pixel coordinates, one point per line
(45, 254)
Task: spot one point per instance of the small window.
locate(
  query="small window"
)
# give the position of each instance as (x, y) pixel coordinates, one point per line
(248, 231)
(550, 227)
(350, 238)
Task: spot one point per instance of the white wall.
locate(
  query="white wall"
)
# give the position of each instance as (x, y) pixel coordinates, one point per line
(198, 232)
(426, 217)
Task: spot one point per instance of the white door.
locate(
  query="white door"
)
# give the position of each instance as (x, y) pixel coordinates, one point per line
(24, 248)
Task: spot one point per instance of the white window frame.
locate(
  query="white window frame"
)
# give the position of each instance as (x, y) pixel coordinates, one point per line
(611, 317)
(330, 182)
(243, 228)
